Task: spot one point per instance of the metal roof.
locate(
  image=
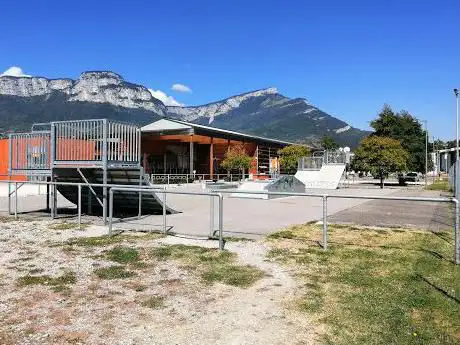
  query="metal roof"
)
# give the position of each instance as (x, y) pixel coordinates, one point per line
(165, 125)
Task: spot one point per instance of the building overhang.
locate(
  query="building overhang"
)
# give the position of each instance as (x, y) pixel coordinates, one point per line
(165, 127)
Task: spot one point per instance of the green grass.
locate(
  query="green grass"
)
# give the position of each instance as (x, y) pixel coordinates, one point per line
(113, 272)
(242, 276)
(59, 283)
(154, 302)
(376, 287)
(211, 264)
(238, 239)
(440, 185)
(67, 226)
(193, 255)
(123, 255)
(99, 241)
(281, 234)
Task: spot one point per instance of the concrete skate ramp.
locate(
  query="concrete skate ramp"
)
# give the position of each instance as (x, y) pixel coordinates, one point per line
(328, 177)
(124, 203)
(282, 184)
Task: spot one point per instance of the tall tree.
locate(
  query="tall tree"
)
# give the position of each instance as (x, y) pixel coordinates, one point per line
(408, 130)
(380, 156)
(290, 155)
(328, 143)
(236, 158)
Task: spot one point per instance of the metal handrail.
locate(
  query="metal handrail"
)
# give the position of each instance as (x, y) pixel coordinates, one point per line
(368, 197)
(219, 193)
(164, 192)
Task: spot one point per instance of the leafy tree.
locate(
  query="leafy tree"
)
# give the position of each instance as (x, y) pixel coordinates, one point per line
(380, 156)
(236, 158)
(408, 131)
(290, 155)
(439, 145)
(328, 143)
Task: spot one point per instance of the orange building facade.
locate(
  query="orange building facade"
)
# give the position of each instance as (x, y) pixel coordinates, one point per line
(177, 147)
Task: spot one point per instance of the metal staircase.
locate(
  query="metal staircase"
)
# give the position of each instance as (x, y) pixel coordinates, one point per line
(96, 151)
(125, 203)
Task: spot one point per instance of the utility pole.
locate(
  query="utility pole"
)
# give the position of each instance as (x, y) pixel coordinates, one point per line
(426, 152)
(456, 148)
(435, 162)
(456, 92)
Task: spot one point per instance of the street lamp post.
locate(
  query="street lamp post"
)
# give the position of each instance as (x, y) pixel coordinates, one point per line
(426, 152)
(456, 92)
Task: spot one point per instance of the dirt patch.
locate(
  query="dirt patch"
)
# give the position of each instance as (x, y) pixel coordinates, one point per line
(74, 287)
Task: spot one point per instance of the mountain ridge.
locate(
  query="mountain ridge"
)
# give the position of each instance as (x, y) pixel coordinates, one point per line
(99, 94)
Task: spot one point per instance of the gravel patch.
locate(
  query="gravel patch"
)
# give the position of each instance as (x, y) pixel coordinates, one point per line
(162, 302)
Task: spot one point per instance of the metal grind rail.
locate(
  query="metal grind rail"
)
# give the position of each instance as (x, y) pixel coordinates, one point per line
(324, 197)
(164, 192)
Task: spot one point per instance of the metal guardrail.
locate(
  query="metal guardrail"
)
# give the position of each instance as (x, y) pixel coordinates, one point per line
(181, 178)
(219, 193)
(53, 192)
(165, 192)
(325, 197)
(309, 163)
(115, 187)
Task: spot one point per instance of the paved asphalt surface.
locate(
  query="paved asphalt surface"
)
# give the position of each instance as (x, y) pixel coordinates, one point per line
(433, 216)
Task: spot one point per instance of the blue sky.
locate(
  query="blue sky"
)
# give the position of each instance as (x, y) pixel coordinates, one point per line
(346, 57)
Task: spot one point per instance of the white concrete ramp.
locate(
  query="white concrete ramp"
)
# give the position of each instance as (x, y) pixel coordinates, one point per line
(258, 186)
(282, 184)
(328, 177)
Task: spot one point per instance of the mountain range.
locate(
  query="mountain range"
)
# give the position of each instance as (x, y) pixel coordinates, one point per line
(102, 94)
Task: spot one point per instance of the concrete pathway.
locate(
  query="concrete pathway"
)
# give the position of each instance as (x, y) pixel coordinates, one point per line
(424, 215)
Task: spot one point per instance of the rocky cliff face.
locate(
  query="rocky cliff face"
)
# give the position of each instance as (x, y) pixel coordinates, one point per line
(211, 110)
(25, 100)
(95, 87)
(268, 113)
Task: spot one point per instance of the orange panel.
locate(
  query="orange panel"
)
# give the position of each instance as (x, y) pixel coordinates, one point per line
(4, 163)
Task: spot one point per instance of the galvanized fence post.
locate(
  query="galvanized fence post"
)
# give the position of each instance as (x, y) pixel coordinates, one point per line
(79, 206)
(221, 222)
(9, 198)
(55, 201)
(16, 200)
(325, 222)
(211, 217)
(139, 211)
(164, 210)
(456, 235)
(52, 201)
(110, 210)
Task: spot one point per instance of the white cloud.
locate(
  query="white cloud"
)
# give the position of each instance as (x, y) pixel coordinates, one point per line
(14, 71)
(181, 88)
(167, 100)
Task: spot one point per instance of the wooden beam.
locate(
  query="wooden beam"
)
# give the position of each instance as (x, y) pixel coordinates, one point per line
(211, 158)
(191, 154)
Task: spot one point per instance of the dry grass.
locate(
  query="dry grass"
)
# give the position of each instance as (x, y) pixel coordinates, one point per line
(211, 264)
(68, 226)
(441, 185)
(375, 286)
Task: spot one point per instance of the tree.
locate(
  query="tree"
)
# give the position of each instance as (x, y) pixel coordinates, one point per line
(408, 131)
(380, 156)
(236, 158)
(290, 155)
(328, 143)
